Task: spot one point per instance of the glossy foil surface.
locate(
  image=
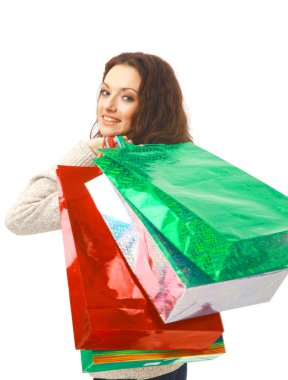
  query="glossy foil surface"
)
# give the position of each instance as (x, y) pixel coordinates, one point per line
(110, 311)
(172, 282)
(226, 222)
(143, 255)
(93, 361)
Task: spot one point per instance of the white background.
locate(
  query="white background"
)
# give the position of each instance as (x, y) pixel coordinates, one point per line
(231, 60)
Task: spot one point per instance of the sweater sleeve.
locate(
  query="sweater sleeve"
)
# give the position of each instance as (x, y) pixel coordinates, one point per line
(36, 209)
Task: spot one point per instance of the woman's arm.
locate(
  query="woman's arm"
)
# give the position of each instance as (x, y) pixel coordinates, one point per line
(37, 210)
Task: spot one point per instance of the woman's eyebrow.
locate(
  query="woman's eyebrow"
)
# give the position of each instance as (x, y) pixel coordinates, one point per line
(129, 88)
(121, 89)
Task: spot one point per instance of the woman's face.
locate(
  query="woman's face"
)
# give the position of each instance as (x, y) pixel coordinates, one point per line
(118, 100)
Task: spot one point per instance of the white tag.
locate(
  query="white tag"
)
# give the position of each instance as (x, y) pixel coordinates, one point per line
(106, 199)
(153, 363)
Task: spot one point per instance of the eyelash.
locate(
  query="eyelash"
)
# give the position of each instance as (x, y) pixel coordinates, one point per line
(106, 93)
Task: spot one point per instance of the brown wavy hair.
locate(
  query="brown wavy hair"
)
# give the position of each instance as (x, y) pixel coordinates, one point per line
(160, 117)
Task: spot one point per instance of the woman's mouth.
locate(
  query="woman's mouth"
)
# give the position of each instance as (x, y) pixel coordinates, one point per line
(108, 120)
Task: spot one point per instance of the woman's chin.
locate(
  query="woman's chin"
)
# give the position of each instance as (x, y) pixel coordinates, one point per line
(107, 131)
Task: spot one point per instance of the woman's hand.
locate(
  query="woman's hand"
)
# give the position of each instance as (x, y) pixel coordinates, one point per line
(98, 142)
(95, 144)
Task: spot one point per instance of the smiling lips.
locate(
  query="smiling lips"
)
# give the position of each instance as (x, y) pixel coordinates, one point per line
(110, 120)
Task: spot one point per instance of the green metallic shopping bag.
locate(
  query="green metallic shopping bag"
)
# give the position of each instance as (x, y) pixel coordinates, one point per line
(95, 361)
(230, 226)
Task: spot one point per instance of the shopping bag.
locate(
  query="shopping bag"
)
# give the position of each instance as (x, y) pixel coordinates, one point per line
(100, 360)
(230, 226)
(109, 308)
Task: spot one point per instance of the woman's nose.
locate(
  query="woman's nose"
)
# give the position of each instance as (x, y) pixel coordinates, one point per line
(110, 104)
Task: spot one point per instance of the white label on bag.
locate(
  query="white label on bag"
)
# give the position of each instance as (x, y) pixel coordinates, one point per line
(106, 199)
(153, 363)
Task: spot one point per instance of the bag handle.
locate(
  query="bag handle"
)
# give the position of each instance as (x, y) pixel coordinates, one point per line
(109, 142)
(120, 141)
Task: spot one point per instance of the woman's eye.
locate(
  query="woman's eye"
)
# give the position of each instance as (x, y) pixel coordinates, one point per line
(128, 98)
(104, 92)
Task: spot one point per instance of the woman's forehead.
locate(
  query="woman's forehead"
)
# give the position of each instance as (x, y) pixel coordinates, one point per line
(123, 76)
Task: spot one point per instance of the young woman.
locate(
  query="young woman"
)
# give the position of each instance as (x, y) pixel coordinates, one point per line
(140, 98)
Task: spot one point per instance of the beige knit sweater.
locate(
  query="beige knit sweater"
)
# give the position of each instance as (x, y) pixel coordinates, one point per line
(36, 210)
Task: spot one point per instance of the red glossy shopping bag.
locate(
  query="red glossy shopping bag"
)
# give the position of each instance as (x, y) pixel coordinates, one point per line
(109, 308)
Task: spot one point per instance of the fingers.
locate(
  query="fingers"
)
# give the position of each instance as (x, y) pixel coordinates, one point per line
(125, 138)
